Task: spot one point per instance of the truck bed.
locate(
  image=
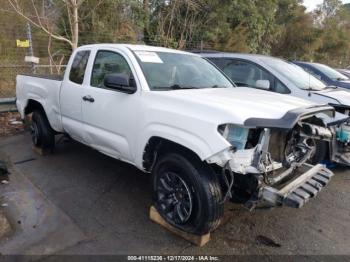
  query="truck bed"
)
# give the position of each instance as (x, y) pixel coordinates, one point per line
(50, 77)
(43, 89)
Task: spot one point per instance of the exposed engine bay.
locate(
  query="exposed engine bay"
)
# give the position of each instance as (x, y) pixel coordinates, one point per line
(263, 162)
(339, 147)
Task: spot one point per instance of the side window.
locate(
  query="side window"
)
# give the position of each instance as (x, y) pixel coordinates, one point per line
(313, 73)
(246, 74)
(108, 62)
(280, 88)
(219, 62)
(78, 67)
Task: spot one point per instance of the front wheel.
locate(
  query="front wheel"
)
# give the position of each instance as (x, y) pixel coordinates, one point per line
(187, 194)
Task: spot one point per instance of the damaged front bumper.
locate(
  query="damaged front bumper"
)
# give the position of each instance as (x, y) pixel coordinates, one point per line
(268, 164)
(297, 192)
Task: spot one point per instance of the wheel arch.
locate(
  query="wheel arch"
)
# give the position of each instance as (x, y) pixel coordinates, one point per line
(158, 145)
(33, 105)
(37, 105)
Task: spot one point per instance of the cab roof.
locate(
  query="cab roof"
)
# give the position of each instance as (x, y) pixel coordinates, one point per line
(136, 48)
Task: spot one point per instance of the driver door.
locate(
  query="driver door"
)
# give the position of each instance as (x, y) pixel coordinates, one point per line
(109, 114)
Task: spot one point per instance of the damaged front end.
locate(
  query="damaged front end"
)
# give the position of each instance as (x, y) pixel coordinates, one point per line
(268, 160)
(339, 146)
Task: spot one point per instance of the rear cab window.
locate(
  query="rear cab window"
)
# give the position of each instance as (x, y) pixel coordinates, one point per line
(77, 71)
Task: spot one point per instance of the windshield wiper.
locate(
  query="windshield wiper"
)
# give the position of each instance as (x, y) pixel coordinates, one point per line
(331, 87)
(312, 89)
(173, 87)
(217, 86)
(341, 79)
(178, 87)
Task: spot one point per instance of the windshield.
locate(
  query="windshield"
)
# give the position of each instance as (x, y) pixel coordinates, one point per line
(172, 71)
(296, 75)
(330, 72)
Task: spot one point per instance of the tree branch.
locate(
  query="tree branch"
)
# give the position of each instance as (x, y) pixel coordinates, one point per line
(38, 24)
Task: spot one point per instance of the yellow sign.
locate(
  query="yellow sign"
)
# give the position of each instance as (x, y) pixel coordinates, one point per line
(24, 43)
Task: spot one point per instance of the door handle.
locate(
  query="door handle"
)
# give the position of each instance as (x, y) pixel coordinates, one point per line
(89, 99)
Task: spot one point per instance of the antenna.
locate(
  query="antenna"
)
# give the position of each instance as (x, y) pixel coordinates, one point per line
(309, 83)
(309, 71)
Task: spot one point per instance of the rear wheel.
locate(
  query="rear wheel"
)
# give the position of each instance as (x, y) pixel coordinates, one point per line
(186, 193)
(43, 136)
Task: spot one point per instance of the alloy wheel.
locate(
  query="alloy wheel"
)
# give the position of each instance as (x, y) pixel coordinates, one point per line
(174, 197)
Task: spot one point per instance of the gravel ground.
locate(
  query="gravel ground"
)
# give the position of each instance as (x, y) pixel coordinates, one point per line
(109, 201)
(5, 227)
(10, 124)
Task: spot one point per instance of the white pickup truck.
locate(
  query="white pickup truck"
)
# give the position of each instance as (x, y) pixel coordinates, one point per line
(175, 115)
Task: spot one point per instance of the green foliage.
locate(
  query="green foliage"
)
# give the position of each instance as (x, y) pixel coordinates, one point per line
(347, 8)
(299, 37)
(277, 27)
(248, 26)
(110, 21)
(334, 23)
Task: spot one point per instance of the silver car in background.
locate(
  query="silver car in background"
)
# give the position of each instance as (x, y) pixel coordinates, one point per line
(280, 76)
(345, 72)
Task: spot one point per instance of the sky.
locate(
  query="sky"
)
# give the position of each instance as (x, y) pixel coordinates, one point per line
(312, 4)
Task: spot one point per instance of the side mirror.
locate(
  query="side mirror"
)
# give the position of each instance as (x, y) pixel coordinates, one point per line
(120, 82)
(263, 84)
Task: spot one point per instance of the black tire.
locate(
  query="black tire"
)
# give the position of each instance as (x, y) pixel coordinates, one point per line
(43, 136)
(321, 152)
(195, 181)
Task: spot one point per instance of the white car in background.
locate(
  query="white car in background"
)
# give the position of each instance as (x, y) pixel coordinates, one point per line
(280, 76)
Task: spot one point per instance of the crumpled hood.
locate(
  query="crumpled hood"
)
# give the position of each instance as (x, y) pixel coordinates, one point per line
(340, 96)
(228, 104)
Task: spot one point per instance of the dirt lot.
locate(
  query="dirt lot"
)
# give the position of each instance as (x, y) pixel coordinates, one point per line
(109, 201)
(10, 123)
(5, 227)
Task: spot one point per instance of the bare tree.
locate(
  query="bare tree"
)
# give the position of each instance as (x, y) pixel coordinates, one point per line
(58, 65)
(146, 11)
(177, 21)
(44, 20)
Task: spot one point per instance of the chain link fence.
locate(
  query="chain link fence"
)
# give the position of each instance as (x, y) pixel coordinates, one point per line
(8, 75)
(8, 78)
(12, 60)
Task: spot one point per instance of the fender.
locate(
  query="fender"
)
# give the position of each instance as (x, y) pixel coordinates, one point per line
(46, 97)
(193, 142)
(49, 111)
